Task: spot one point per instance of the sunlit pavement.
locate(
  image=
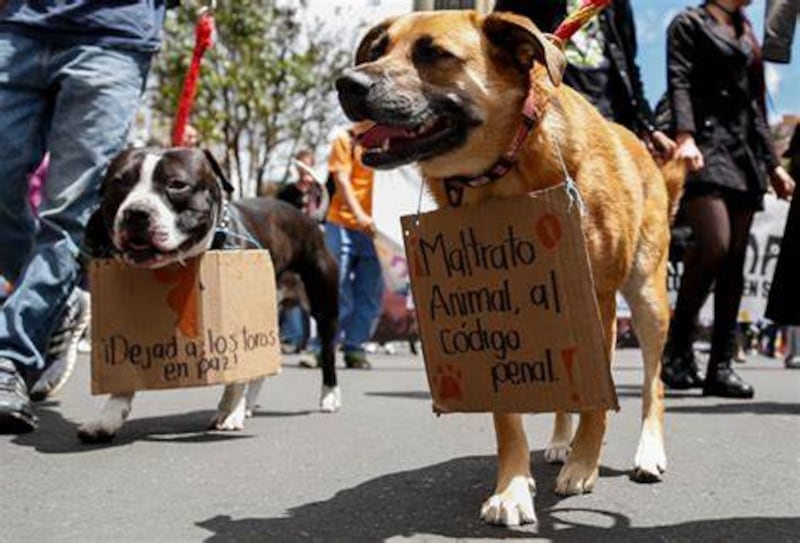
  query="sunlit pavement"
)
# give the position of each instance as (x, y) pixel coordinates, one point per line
(386, 468)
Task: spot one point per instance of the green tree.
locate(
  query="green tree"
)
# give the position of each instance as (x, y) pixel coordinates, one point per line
(265, 88)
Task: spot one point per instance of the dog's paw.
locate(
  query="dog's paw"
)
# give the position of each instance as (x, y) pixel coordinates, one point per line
(557, 453)
(113, 416)
(330, 400)
(576, 478)
(651, 460)
(229, 421)
(513, 506)
(96, 432)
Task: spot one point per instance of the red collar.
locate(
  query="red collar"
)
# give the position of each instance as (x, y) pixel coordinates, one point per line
(532, 111)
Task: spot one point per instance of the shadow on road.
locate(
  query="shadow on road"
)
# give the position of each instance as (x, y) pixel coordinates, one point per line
(739, 408)
(410, 395)
(442, 499)
(635, 391)
(282, 414)
(623, 391)
(58, 435)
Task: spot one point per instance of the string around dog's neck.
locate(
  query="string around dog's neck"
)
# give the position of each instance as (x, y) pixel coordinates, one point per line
(225, 233)
(532, 111)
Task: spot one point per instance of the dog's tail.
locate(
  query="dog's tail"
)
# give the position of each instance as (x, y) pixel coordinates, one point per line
(674, 172)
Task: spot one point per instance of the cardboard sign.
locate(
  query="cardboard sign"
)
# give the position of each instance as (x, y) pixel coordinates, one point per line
(211, 321)
(506, 307)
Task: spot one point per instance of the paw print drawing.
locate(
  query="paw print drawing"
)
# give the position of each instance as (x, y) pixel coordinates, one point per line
(447, 383)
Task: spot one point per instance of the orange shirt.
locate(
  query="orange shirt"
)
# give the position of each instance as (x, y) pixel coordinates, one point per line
(346, 162)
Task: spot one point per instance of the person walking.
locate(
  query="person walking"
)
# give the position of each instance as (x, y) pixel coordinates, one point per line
(349, 233)
(310, 197)
(306, 193)
(782, 307)
(71, 76)
(715, 92)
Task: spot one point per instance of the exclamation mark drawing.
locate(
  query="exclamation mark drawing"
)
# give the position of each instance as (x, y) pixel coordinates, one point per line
(568, 356)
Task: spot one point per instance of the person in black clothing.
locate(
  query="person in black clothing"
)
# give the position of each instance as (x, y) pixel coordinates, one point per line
(306, 194)
(602, 64)
(783, 307)
(715, 93)
(785, 290)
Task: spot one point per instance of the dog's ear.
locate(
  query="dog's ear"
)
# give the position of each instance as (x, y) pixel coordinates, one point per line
(97, 239)
(374, 44)
(215, 167)
(525, 43)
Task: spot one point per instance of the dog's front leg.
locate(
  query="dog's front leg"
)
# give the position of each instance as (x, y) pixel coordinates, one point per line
(114, 414)
(512, 502)
(231, 409)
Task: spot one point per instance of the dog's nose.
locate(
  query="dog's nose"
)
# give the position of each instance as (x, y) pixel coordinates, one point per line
(353, 87)
(136, 221)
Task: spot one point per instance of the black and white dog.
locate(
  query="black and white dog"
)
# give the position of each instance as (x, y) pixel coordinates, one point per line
(164, 206)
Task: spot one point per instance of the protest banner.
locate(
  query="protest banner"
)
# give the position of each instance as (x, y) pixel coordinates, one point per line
(211, 320)
(506, 307)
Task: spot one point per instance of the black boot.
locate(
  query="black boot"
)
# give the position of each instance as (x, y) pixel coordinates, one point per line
(722, 381)
(679, 371)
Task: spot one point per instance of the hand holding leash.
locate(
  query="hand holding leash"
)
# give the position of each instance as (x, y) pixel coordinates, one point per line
(661, 146)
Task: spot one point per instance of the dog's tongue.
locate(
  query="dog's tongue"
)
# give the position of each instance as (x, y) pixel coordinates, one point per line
(375, 136)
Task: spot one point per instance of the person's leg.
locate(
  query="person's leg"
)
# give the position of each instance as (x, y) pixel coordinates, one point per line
(367, 300)
(721, 379)
(305, 327)
(339, 241)
(292, 328)
(792, 359)
(23, 118)
(24, 107)
(707, 216)
(96, 96)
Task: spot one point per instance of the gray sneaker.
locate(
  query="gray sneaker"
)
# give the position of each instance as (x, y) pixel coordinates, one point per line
(16, 414)
(308, 359)
(62, 352)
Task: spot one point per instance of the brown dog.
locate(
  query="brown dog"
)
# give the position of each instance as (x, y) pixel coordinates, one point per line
(446, 90)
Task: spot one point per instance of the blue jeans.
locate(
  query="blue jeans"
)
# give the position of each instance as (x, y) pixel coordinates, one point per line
(360, 284)
(294, 326)
(77, 102)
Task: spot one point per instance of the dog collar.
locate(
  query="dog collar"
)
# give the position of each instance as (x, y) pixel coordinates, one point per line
(532, 111)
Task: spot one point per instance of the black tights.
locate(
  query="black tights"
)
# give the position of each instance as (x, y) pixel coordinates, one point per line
(720, 233)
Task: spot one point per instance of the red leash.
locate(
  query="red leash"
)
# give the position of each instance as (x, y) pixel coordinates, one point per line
(578, 18)
(203, 40)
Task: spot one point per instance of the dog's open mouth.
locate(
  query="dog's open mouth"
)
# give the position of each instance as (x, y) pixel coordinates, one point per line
(388, 146)
(149, 257)
(146, 255)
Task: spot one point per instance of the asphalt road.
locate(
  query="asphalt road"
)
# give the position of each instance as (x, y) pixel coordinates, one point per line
(386, 468)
